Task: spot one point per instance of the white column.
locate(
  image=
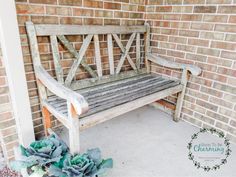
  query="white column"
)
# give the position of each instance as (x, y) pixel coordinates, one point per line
(13, 60)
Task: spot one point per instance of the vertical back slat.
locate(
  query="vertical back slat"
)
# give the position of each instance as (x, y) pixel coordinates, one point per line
(56, 59)
(98, 55)
(33, 43)
(147, 46)
(110, 54)
(138, 50)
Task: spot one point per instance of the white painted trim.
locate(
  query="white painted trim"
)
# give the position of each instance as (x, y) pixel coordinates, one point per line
(13, 61)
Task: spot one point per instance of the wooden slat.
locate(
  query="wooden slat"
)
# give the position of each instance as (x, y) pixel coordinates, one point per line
(48, 30)
(118, 41)
(33, 43)
(56, 59)
(123, 56)
(147, 47)
(85, 83)
(113, 85)
(105, 97)
(121, 100)
(98, 55)
(110, 54)
(138, 50)
(106, 102)
(108, 114)
(72, 50)
(79, 56)
(126, 88)
(126, 95)
(104, 87)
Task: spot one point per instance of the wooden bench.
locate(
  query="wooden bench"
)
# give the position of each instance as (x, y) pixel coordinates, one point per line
(79, 104)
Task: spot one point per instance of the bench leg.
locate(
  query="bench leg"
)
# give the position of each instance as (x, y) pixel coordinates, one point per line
(47, 120)
(180, 98)
(74, 139)
(74, 135)
(179, 106)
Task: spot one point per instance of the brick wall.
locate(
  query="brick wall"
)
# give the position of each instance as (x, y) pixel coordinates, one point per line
(8, 132)
(201, 32)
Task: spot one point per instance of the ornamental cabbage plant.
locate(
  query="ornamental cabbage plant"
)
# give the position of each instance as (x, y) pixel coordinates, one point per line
(89, 164)
(51, 157)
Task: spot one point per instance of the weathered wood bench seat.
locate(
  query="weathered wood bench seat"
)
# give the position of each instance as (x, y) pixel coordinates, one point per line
(79, 104)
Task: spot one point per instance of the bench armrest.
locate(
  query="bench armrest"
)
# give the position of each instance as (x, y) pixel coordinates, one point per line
(77, 100)
(195, 70)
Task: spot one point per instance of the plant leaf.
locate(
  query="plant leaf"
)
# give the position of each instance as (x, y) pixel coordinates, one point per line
(108, 163)
(95, 154)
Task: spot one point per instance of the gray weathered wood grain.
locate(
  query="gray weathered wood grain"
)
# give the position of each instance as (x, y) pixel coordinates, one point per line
(56, 59)
(98, 55)
(48, 30)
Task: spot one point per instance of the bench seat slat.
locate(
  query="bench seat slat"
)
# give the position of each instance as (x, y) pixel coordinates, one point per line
(113, 94)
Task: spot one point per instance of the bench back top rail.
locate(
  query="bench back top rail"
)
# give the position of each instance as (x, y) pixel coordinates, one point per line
(57, 33)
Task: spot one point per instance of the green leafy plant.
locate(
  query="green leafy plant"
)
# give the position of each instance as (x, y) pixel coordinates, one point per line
(82, 165)
(51, 157)
(41, 153)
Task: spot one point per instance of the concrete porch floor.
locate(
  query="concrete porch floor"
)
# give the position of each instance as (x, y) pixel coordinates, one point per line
(147, 143)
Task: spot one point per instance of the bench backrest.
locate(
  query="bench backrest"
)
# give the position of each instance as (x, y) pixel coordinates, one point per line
(91, 35)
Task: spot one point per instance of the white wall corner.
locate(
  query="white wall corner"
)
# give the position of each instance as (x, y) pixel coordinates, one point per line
(14, 64)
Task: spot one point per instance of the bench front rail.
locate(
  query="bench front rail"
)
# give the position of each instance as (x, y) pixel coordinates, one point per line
(83, 103)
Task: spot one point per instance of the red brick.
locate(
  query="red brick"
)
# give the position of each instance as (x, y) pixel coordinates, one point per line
(204, 9)
(44, 19)
(229, 55)
(109, 5)
(44, 1)
(191, 17)
(215, 18)
(207, 105)
(202, 26)
(155, 2)
(232, 19)
(218, 1)
(208, 51)
(163, 9)
(193, 1)
(231, 37)
(121, 14)
(29, 9)
(223, 45)
(198, 42)
(93, 21)
(71, 20)
(83, 12)
(225, 28)
(188, 33)
(71, 2)
(174, 2)
(171, 17)
(102, 13)
(227, 9)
